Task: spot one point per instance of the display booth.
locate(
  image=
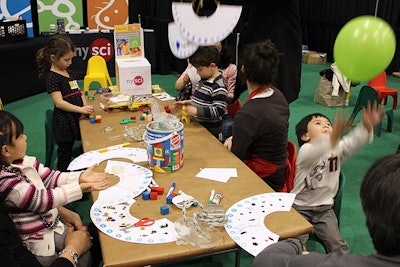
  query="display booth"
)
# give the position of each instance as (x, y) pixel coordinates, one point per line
(132, 69)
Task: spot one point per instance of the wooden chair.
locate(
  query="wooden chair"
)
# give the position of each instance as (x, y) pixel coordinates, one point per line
(96, 72)
(379, 83)
(337, 207)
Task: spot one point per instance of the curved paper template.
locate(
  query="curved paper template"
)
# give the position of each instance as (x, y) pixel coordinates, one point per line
(90, 158)
(246, 220)
(110, 212)
(133, 180)
(202, 30)
(180, 47)
(114, 220)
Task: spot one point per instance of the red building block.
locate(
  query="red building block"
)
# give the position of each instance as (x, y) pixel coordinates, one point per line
(153, 195)
(159, 190)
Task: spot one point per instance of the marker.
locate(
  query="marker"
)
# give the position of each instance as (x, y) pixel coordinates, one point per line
(152, 183)
(217, 198)
(171, 189)
(210, 199)
(102, 150)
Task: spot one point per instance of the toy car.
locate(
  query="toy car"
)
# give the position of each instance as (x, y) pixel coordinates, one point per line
(114, 100)
(138, 102)
(111, 101)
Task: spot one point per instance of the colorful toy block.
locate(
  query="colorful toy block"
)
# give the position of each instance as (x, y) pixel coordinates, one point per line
(159, 190)
(146, 195)
(164, 210)
(153, 195)
(169, 199)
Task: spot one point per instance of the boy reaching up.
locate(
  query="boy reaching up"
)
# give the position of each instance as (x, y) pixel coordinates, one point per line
(320, 156)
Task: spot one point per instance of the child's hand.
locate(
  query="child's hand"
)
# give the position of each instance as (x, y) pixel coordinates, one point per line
(94, 186)
(70, 218)
(186, 78)
(180, 104)
(228, 143)
(191, 110)
(91, 176)
(340, 124)
(78, 241)
(87, 109)
(372, 115)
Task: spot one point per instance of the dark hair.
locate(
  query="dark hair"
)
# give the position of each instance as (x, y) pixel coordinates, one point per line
(7, 120)
(226, 56)
(380, 199)
(58, 45)
(260, 61)
(11, 246)
(204, 56)
(302, 126)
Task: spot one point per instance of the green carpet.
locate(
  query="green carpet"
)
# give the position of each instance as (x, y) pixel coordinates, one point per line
(31, 111)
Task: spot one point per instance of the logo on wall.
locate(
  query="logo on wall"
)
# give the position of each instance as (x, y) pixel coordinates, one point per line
(105, 14)
(51, 10)
(102, 47)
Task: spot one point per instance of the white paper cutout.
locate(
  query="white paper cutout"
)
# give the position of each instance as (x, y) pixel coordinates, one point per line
(90, 158)
(217, 174)
(163, 96)
(246, 220)
(180, 47)
(110, 212)
(203, 30)
(133, 180)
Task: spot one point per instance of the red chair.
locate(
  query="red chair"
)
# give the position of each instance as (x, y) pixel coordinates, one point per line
(232, 108)
(380, 86)
(290, 167)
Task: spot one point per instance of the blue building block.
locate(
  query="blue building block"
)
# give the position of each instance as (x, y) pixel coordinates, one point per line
(164, 210)
(169, 199)
(146, 195)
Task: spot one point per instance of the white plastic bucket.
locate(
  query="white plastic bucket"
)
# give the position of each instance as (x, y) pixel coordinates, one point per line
(164, 148)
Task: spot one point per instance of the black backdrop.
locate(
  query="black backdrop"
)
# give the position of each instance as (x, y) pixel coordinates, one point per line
(321, 21)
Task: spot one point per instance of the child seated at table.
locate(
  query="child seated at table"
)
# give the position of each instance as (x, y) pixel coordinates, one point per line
(208, 103)
(32, 192)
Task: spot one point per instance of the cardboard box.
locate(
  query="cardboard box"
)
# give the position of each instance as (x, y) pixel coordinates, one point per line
(313, 57)
(133, 76)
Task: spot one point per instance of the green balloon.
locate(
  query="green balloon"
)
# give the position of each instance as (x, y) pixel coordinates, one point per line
(364, 48)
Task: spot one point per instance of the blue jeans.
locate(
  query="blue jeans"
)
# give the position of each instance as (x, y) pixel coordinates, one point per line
(227, 123)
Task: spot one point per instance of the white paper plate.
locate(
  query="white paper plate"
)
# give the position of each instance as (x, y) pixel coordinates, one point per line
(180, 199)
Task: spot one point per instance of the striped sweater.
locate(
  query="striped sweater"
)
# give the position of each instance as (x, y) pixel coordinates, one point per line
(209, 98)
(34, 194)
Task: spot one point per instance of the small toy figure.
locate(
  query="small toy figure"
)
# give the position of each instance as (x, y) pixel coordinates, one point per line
(185, 116)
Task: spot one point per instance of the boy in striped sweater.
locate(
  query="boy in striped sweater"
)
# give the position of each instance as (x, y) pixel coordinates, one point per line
(208, 103)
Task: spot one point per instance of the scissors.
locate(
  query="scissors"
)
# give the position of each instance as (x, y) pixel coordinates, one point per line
(144, 222)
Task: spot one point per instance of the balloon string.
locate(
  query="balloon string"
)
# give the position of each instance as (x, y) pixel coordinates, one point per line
(376, 7)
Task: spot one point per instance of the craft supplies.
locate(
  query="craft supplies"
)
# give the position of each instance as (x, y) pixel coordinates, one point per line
(217, 198)
(164, 147)
(102, 150)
